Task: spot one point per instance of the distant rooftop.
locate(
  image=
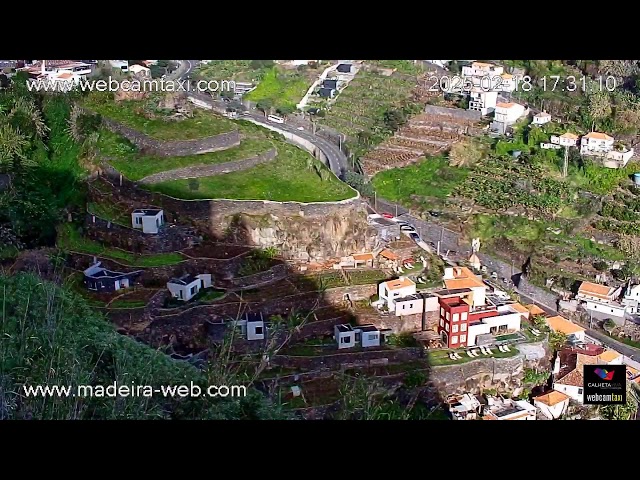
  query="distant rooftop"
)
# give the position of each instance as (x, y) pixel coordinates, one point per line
(152, 212)
(184, 280)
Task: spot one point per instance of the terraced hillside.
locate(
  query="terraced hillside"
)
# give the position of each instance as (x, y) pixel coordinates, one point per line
(260, 165)
(427, 134)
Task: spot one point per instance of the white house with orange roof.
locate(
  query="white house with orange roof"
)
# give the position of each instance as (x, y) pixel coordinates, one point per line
(541, 118)
(508, 113)
(567, 139)
(553, 404)
(456, 278)
(602, 145)
(391, 290)
(573, 331)
(477, 70)
(596, 143)
(601, 298)
(535, 310)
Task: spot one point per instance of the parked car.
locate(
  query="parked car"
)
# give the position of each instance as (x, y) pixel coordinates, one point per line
(387, 215)
(414, 236)
(407, 228)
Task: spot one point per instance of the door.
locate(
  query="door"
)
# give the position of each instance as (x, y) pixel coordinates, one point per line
(117, 285)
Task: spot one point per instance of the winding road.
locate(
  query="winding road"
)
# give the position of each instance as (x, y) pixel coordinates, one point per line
(428, 230)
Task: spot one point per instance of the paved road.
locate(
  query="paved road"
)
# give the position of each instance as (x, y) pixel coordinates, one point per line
(336, 158)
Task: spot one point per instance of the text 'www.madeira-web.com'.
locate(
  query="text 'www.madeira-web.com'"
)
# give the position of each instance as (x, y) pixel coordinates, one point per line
(120, 390)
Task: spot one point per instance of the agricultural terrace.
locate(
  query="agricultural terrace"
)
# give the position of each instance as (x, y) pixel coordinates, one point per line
(125, 157)
(363, 109)
(146, 116)
(294, 176)
(427, 134)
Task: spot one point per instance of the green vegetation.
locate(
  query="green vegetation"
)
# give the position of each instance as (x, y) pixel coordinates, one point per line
(257, 261)
(146, 117)
(432, 177)
(282, 89)
(127, 304)
(237, 70)
(441, 357)
(110, 212)
(38, 151)
(50, 336)
(135, 167)
(368, 108)
(294, 176)
(69, 238)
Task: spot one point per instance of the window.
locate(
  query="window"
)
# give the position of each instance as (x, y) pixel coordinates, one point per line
(138, 220)
(345, 340)
(194, 289)
(404, 306)
(454, 328)
(463, 316)
(463, 338)
(454, 339)
(456, 316)
(447, 316)
(441, 312)
(446, 327)
(463, 327)
(411, 305)
(373, 336)
(579, 391)
(612, 310)
(258, 330)
(441, 323)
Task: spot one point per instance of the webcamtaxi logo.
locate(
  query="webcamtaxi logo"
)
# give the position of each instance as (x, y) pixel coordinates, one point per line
(605, 384)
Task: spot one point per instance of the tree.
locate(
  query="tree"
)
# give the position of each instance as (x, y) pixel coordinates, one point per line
(599, 106)
(465, 153)
(285, 110)
(194, 184)
(265, 105)
(627, 411)
(557, 340)
(359, 182)
(601, 265)
(394, 119)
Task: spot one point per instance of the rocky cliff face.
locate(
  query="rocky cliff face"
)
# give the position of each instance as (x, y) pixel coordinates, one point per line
(313, 238)
(504, 374)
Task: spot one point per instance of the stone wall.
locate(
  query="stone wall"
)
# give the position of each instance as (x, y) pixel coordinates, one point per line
(183, 148)
(337, 360)
(171, 238)
(505, 374)
(336, 296)
(406, 323)
(211, 170)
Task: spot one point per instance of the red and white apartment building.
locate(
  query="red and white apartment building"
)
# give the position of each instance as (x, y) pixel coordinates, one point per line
(467, 317)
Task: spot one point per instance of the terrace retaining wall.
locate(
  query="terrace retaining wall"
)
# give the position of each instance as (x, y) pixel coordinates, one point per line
(337, 360)
(182, 148)
(199, 171)
(171, 238)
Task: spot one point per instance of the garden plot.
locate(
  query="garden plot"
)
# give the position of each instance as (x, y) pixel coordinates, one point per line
(217, 251)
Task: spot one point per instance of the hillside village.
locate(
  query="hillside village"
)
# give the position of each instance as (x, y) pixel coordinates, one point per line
(237, 241)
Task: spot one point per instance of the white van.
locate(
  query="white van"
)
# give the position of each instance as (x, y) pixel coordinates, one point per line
(275, 118)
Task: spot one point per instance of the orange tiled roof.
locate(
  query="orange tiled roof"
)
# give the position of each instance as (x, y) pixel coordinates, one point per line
(363, 256)
(609, 356)
(570, 136)
(561, 324)
(398, 283)
(519, 308)
(535, 310)
(552, 398)
(389, 254)
(574, 378)
(598, 136)
(506, 105)
(590, 288)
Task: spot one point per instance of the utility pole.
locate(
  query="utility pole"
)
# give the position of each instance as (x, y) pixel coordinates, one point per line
(375, 200)
(565, 165)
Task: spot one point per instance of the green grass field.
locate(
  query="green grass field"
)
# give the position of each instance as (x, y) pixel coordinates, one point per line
(131, 113)
(432, 177)
(136, 167)
(293, 176)
(283, 89)
(70, 239)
